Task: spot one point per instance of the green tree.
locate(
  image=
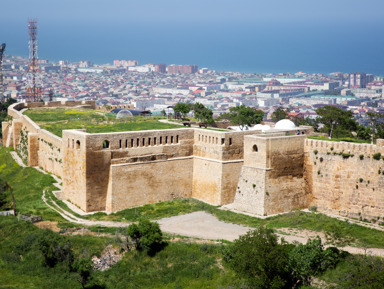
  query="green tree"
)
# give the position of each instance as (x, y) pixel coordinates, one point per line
(182, 108)
(84, 268)
(311, 259)
(245, 115)
(55, 249)
(337, 122)
(260, 259)
(146, 235)
(279, 114)
(197, 109)
(300, 120)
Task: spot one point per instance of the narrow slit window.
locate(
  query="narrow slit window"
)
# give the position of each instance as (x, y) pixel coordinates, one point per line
(172, 139)
(120, 143)
(105, 144)
(149, 141)
(166, 140)
(230, 141)
(177, 139)
(161, 140)
(154, 141)
(131, 142)
(138, 142)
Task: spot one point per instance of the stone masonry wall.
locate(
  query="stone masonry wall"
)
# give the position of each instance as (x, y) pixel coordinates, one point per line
(136, 184)
(345, 178)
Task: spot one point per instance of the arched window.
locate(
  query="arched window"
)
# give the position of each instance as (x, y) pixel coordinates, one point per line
(78, 144)
(105, 144)
(255, 148)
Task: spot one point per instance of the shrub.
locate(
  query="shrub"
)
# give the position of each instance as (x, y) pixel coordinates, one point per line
(321, 159)
(311, 259)
(315, 152)
(260, 259)
(376, 156)
(361, 157)
(146, 235)
(331, 148)
(313, 209)
(361, 180)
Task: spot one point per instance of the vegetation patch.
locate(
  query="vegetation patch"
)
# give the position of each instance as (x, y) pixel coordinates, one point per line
(58, 119)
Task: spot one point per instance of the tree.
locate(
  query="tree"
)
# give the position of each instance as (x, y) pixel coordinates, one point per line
(279, 114)
(245, 115)
(202, 113)
(55, 249)
(84, 267)
(260, 259)
(311, 259)
(182, 108)
(337, 122)
(146, 235)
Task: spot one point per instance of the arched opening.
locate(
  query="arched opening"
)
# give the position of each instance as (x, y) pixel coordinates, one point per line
(105, 144)
(77, 144)
(255, 149)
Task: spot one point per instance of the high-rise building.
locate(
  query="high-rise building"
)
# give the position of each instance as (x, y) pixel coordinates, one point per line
(359, 80)
(161, 67)
(125, 63)
(175, 69)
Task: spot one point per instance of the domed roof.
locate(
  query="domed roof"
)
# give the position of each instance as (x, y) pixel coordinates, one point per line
(124, 114)
(285, 124)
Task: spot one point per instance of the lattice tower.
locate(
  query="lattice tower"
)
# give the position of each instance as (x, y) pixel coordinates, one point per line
(2, 49)
(34, 89)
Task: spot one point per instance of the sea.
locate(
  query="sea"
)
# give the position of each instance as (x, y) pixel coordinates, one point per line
(312, 48)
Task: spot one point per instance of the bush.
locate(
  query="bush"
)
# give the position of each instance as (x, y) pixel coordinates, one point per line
(315, 152)
(376, 156)
(260, 259)
(146, 235)
(361, 157)
(311, 259)
(55, 249)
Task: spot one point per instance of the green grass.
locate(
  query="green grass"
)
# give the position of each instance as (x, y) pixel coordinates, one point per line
(58, 119)
(28, 185)
(345, 139)
(178, 265)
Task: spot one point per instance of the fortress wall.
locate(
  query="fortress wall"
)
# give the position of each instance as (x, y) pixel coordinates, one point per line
(74, 168)
(149, 182)
(224, 146)
(207, 180)
(5, 129)
(345, 184)
(128, 148)
(49, 152)
(126, 106)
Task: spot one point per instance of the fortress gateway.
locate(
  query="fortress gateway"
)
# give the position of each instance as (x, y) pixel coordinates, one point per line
(255, 172)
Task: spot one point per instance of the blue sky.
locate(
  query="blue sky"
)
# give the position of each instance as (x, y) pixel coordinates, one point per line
(225, 34)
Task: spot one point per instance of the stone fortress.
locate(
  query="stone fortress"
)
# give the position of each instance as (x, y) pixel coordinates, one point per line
(249, 171)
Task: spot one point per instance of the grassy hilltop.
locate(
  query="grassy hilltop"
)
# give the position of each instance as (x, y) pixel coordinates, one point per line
(57, 119)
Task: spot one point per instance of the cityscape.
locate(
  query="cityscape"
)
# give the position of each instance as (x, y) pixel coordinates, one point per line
(156, 87)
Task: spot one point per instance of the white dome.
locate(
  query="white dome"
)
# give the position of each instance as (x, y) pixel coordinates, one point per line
(122, 114)
(261, 127)
(285, 124)
(257, 127)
